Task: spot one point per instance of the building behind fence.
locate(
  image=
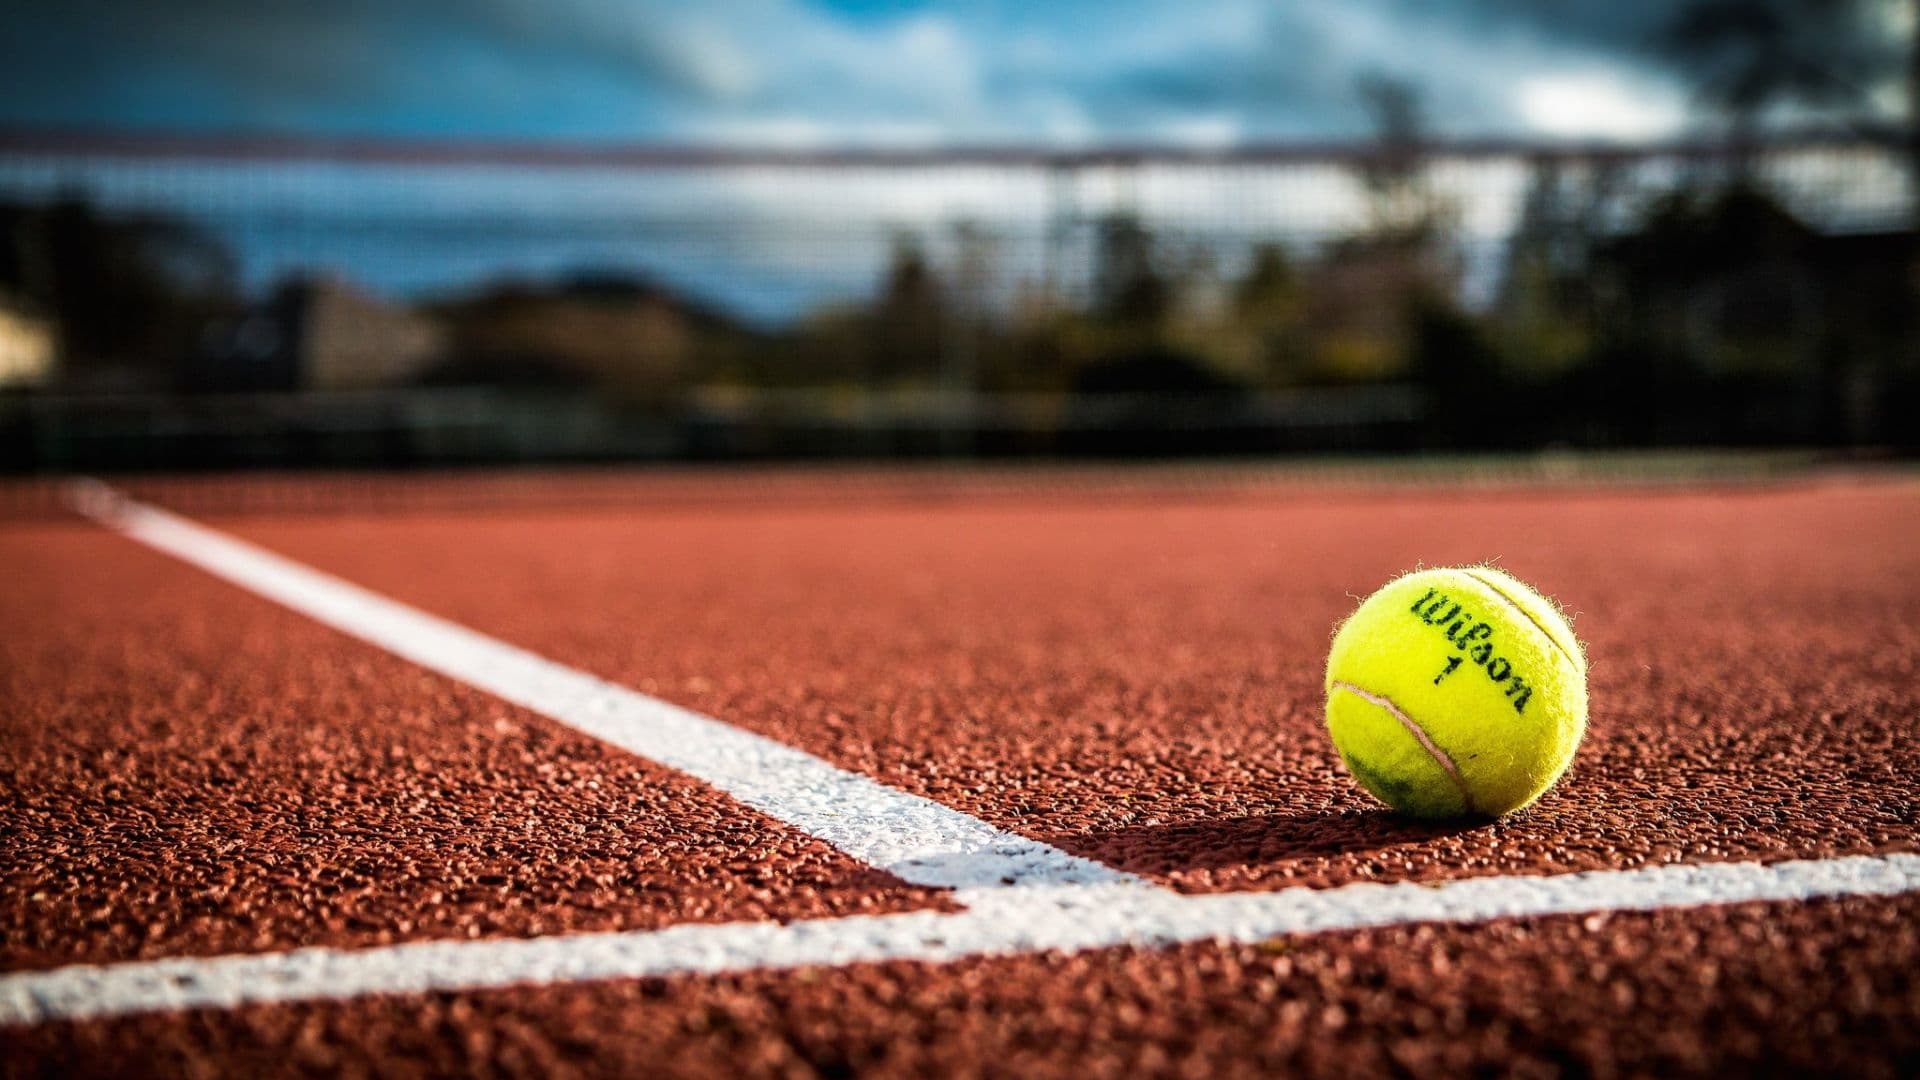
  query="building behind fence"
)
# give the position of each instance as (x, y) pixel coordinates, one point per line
(218, 302)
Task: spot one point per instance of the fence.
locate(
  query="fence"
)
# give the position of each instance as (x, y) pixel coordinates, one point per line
(726, 302)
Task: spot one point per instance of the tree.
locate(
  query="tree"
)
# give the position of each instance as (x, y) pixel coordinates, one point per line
(1128, 287)
(1400, 201)
(1749, 58)
(1366, 297)
(1267, 318)
(909, 317)
(133, 296)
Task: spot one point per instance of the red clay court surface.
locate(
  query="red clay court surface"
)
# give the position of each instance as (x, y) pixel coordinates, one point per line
(1126, 674)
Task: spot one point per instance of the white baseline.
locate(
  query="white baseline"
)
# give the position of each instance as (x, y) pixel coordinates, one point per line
(1005, 922)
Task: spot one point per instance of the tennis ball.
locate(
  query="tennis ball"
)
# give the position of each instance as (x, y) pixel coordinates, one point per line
(1456, 693)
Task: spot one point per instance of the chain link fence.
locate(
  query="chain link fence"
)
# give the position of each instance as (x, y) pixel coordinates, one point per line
(229, 302)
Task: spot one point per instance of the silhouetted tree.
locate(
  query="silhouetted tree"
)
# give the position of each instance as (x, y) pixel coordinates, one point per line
(1128, 287)
(1268, 311)
(1749, 59)
(1746, 58)
(1717, 278)
(1369, 288)
(908, 317)
(1394, 172)
(1544, 309)
(132, 296)
(1457, 366)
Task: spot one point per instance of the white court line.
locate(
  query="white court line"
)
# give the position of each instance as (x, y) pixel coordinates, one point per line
(1062, 902)
(1005, 923)
(914, 838)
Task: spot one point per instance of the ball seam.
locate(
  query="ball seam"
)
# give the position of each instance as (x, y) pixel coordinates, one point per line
(1517, 606)
(1440, 757)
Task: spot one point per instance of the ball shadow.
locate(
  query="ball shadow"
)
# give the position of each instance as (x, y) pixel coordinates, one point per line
(1256, 840)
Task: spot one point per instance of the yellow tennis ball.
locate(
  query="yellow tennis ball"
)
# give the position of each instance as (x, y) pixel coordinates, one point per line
(1456, 693)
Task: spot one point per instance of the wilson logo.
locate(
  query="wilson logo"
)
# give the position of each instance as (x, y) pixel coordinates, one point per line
(1474, 641)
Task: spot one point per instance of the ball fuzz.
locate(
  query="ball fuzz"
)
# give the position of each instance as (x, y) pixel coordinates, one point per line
(1456, 693)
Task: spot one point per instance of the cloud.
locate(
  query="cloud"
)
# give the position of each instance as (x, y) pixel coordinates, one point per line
(795, 71)
(1596, 103)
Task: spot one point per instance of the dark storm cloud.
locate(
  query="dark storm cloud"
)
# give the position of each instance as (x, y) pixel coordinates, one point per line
(1641, 27)
(1848, 42)
(356, 62)
(758, 69)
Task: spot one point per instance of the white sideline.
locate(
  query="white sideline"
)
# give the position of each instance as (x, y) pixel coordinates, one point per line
(1005, 922)
(913, 838)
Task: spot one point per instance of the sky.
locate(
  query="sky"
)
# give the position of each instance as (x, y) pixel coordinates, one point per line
(797, 73)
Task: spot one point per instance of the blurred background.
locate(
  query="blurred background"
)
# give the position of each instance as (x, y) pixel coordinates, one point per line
(243, 234)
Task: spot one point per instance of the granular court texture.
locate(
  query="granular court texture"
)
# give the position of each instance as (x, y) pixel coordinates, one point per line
(1139, 682)
(190, 770)
(1131, 676)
